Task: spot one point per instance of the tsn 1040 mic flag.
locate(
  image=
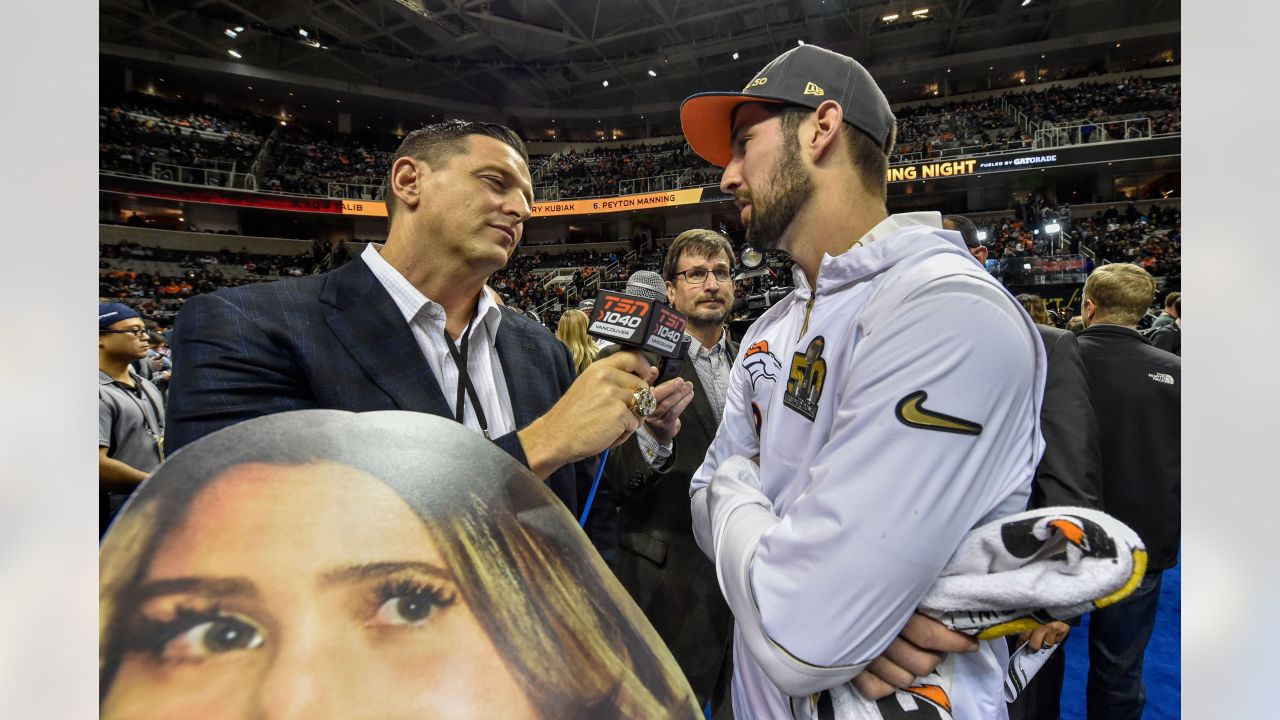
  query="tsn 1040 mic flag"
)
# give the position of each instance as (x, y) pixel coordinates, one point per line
(636, 319)
(640, 318)
(637, 323)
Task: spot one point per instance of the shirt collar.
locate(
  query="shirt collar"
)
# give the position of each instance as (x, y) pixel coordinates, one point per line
(105, 379)
(410, 299)
(891, 225)
(696, 348)
(900, 221)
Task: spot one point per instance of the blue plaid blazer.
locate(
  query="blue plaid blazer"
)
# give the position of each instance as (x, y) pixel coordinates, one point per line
(337, 341)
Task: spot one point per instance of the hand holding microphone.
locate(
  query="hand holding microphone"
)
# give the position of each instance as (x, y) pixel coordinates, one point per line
(612, 396)
(639, 320)
(593, 415)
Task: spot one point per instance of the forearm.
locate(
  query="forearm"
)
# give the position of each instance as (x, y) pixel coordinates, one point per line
(738, 515)
(543, 451)
(116, 476)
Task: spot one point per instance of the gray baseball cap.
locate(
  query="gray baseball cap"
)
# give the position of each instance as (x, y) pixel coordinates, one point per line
(805, 76)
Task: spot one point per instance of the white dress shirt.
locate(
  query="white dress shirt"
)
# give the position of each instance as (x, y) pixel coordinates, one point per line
(426, 320)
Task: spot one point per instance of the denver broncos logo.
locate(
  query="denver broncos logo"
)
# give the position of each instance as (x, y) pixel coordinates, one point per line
(926, 700)
(1072, 531)
(1024, 538)
(931, 703)
(760, 363)
(933, 694)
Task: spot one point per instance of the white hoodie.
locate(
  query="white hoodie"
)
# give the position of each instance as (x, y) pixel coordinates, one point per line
(892, 410)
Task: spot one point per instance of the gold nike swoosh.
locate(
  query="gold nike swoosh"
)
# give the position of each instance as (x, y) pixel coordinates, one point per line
(913, 415)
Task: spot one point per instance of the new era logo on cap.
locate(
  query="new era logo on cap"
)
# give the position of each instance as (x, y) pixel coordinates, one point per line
(811, 89)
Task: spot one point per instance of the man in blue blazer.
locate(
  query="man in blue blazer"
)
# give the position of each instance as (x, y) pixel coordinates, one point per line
(409, 326)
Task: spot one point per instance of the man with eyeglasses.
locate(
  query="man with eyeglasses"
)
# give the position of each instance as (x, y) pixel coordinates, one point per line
(658, 561)
(130, 410)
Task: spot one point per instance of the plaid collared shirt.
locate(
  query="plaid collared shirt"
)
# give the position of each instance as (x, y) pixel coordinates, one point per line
(713, 366)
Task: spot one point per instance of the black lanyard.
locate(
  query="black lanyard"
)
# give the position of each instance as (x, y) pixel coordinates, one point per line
(133, 391)
(465, 386)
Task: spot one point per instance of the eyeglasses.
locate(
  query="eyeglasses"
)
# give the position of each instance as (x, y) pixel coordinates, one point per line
(697, 276)
(136, 332)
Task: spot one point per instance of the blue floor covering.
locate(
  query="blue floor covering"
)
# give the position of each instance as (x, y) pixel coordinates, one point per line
(1162, 668)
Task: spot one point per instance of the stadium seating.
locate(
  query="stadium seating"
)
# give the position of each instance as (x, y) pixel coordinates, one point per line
(311, 161)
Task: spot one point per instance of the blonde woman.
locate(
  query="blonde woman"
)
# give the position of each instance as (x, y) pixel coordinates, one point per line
(572, 331)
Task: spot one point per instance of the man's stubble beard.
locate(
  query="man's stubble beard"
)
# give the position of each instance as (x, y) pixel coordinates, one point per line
(709, 320)
(792, 187)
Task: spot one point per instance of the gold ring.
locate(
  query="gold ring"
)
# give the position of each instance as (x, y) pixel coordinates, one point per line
(643, 403)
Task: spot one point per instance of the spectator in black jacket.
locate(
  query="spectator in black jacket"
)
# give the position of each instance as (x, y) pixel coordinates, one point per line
(1168, 336)
(1170, 310)
(1136, 392)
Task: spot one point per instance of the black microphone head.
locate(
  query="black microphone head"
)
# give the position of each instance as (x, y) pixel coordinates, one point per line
(647, 284)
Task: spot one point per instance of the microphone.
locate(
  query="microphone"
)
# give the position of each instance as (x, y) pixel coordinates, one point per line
(647, 284)
(640, 319)
(638, 322)
(670, 367)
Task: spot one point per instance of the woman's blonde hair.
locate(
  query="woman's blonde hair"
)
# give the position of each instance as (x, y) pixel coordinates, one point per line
(572, 637)
(572, 331)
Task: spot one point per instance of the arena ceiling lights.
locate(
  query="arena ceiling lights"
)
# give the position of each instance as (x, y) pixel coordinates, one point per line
(472, 56)
(310, 39)
(899, 17)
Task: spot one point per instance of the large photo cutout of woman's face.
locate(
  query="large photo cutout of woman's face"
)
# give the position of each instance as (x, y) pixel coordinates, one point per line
(383, 565)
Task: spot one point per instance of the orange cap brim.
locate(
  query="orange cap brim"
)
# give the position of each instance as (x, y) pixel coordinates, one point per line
(706, 120)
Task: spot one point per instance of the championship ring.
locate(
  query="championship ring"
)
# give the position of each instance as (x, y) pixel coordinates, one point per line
(643, 402)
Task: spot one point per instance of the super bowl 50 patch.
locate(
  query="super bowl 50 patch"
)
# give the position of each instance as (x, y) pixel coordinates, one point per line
(808, 375)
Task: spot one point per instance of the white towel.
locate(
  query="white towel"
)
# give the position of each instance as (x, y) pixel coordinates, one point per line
(1007, 576)
(1040, 565)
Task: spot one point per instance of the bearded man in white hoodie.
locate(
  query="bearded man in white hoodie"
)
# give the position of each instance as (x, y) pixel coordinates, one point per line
(886, 407)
